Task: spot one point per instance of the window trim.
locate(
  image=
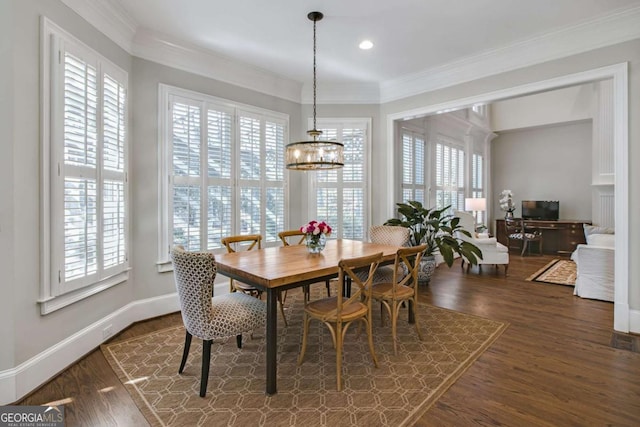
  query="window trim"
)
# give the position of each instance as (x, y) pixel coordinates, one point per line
(51, 38)
(165, 93)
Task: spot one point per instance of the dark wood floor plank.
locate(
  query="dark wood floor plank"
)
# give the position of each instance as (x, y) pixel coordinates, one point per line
(553, 366)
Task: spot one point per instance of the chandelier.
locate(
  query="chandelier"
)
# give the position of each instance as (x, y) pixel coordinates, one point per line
(314, 154)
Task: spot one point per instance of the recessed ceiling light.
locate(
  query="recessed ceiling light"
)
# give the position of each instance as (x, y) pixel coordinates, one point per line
(365, 45)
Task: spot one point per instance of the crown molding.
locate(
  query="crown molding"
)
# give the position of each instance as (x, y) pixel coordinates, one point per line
(194, 59)
(342, 93)
(109, 17)
(618, 27)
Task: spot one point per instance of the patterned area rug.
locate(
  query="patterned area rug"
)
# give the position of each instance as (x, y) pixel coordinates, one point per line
(558, 271)
(397, 393)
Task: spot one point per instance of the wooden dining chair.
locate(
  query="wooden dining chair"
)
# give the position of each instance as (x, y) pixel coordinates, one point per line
(297, 237)
(248, 242)
(339, 312)
(210, 318)
(403, 287)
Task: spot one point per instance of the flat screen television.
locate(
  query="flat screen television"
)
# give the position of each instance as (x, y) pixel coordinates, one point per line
(541, 209)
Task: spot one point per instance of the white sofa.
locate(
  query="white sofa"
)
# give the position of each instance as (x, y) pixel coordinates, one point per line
(493, 252)
(595, 265)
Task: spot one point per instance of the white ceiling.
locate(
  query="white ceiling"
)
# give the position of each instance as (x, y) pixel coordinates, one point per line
(411, 37)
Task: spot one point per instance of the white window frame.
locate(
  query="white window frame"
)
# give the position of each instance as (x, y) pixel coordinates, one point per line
(166, 94)
(55, 292)
(314, 185)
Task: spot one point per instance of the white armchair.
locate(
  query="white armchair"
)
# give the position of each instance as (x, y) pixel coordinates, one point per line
(493, 252)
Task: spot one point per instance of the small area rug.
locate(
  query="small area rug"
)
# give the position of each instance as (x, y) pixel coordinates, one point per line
(558, 271)
(397, 393)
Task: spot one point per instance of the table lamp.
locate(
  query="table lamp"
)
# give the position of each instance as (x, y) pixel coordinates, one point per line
(475, 205)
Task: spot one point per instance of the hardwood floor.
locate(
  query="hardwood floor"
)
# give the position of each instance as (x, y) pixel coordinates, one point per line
(553, 366)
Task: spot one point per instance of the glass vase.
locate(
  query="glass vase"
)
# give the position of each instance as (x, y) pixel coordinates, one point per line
(316, 242)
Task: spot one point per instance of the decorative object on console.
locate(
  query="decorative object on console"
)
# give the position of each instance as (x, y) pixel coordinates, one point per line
(506, 203)
(316, 235)
(314, 154)
(439, 231)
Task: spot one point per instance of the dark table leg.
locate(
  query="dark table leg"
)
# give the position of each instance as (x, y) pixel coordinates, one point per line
(272, 341)
(346, 288)
(412, 314)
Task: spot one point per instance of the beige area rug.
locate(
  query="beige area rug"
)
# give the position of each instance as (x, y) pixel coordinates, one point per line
(558, 271)
(397, 393)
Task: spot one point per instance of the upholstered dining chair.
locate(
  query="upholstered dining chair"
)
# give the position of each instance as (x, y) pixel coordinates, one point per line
(516, 230)
(401, 288)
(388, 235)
(297, 237)
(210, 318)
(248, 242)
(339, 312)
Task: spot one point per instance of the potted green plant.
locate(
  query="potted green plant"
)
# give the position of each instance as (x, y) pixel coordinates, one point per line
(439, 231)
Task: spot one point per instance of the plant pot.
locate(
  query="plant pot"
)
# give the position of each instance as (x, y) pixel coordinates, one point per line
(427, 267)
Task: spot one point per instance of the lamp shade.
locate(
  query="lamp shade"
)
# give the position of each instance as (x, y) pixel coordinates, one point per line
(475, 204)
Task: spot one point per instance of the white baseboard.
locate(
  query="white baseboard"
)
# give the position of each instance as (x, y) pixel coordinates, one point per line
(634, 321)
(18, 382)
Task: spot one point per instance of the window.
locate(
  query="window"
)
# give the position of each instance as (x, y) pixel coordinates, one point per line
(477, 182)
(222, 171)
(341, 197)
(413, 162)
(449, 169)
(85, 160)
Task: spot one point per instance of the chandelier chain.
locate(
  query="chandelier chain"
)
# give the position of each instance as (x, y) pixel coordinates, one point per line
(314, 74)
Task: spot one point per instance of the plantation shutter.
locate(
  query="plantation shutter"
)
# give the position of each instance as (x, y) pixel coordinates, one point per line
(449, 176)
(274, 174)
(340, 198)
(89, 170)
(220, 171)
(113, 185)
(227, 173)
(187, 181)
(413, 167)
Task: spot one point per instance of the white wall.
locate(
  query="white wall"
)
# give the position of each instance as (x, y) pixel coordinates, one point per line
(547, 163)
(7, 278)
(570, 104)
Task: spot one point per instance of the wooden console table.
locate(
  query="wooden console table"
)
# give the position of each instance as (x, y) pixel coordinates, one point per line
(559, 237)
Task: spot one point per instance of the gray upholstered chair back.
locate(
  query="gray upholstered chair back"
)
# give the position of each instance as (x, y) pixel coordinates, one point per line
(389, 235)
(194, 273)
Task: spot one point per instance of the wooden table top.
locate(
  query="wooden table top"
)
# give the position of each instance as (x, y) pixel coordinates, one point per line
(279, 266)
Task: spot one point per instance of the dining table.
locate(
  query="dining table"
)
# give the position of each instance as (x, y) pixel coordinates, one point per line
(275, 269)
